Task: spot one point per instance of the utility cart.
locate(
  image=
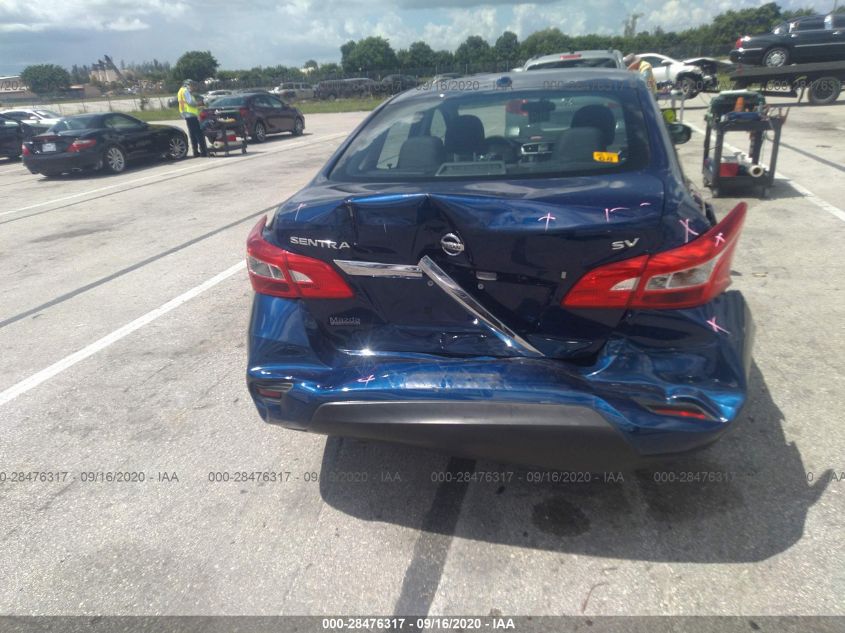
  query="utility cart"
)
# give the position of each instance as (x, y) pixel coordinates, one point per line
(741, 111)
(225, 132)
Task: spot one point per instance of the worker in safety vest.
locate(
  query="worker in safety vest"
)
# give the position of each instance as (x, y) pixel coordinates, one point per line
(637, 65)
(189, 109)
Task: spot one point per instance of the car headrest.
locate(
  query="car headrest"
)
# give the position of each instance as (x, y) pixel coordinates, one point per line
(597, 116)
(577, 144)
(424, 153)
(465, 136)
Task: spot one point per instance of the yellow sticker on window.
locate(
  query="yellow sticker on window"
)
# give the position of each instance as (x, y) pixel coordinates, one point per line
(606, 157)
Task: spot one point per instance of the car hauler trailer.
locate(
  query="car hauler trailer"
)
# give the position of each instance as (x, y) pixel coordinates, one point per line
(821, 81)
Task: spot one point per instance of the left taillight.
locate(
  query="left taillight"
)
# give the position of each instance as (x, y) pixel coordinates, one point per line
(684, 277)
(280, 273)
(80, 144)
(25, 150)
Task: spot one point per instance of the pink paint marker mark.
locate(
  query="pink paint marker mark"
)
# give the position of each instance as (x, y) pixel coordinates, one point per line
(548, 218)
(607, 212)
(716, 327)
(687, 230)
(720, 239)
(367, 380)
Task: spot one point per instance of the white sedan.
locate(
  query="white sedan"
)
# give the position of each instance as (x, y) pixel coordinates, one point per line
(690, 76)
(35, 117)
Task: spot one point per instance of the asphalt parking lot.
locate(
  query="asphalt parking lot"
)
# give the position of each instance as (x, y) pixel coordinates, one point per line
(123, 314)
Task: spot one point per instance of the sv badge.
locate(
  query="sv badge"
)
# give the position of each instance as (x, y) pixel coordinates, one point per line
(618, 246)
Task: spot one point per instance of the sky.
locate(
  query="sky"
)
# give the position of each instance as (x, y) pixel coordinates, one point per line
(247, 33)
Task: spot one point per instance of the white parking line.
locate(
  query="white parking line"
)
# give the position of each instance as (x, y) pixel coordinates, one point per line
(69, 361)
(809, 195)
(192, 167)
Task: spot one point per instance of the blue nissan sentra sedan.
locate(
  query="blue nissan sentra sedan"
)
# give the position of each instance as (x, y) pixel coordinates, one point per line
(509, 268)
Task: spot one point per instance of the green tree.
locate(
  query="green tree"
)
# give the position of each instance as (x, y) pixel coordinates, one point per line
(475, 51)
(797, 13)
(544, 42)
(196, 65)
(368, 54)
(420, 55)
(329, 71)
(444, 61)
(45, 78)
(345, 51)
(726, 27)
(311, 63)
(506, 48)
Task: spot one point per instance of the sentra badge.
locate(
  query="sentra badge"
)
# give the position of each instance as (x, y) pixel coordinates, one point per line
(307, 241)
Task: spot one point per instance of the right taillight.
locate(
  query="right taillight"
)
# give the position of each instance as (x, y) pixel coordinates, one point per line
(25, 151)
(738, 43)
(275, 271)
(684, 277)
(203, 115)
(80, 144)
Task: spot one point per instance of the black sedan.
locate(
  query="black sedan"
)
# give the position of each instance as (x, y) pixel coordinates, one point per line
(813, 38)
(12, 135)
(393, 84)
(105, 141)
(262, 113)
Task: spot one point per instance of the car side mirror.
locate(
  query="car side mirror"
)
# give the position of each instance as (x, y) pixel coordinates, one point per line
(679, 133)
(666, 62)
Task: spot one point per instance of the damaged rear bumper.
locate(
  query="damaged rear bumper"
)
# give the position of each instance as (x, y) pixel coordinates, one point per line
(668, 382)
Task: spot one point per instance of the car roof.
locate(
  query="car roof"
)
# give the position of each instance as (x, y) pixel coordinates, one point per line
(589, 54)
(611, 79)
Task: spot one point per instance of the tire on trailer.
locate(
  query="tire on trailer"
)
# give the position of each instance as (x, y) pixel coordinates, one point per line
(776, 57)
(824, 90)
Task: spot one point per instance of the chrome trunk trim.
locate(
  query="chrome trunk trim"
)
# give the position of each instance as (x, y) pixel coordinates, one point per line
(377, 269)
(450, 287)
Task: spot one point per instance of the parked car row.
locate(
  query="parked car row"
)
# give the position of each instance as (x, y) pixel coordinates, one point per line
(691, 76)
(109, 141)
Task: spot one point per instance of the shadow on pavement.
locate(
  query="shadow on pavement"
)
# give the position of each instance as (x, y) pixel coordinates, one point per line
(743, 499)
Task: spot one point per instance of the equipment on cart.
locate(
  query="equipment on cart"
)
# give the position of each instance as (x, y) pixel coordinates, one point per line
(225, 133)
(741, 111)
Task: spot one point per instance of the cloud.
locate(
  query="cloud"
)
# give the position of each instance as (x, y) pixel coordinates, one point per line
(123, 24)
(463, 4)
(248, 33)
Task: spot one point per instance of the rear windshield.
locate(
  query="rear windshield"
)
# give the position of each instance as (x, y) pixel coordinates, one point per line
(229, 102)
(581, 62)
(501, 134)
(47, 114)
(77, 123)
